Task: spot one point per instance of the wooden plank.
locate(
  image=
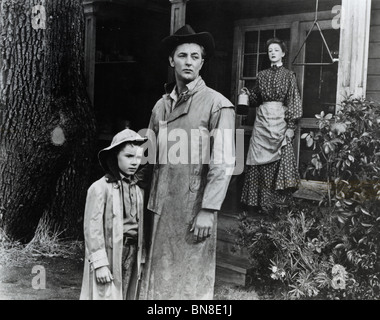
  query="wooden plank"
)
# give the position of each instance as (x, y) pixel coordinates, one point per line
(374, 66)
(374, 51)
(373, 83)
(375, 5)
(236, 263)
(229, 276)
(373, 95)
(374, 34)
(285, 19)
(311, 190)
(375, 18)
(307, 194)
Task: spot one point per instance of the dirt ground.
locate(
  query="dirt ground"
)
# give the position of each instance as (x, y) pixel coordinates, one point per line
(18, 281)
(63, 279)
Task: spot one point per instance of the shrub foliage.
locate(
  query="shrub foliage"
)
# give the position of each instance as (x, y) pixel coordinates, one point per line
(329, 251)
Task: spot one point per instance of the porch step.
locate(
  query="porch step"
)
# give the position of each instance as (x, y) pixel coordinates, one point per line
(233, 269)
(232, 264)
(311, 190)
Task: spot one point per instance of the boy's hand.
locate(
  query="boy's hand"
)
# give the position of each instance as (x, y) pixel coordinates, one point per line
(103, 275)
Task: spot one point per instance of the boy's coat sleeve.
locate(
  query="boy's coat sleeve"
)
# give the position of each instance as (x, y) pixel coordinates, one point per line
(93, 227)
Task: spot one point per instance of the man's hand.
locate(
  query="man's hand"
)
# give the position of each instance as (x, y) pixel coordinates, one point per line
(203, 224)
(103, 275)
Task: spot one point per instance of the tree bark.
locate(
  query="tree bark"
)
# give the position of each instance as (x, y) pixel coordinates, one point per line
(47, 123)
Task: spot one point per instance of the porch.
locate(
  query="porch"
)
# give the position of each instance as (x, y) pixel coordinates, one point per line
(125, 76)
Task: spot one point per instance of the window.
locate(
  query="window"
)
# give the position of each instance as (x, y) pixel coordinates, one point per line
(320, 82)
(319, 87)
(255, 58)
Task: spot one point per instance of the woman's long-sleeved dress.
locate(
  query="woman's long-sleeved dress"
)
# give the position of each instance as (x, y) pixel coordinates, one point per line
(271, 164)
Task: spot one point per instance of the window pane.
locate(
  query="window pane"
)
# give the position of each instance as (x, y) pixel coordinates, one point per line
(283, 34)
(320, 82)
(265, 35)
(250, 65)
(251, 40)
(264, 62)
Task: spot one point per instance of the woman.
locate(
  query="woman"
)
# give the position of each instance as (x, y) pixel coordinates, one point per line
(271, 173)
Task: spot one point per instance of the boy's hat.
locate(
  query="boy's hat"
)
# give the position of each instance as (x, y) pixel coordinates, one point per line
(186, 34)
(127, 135)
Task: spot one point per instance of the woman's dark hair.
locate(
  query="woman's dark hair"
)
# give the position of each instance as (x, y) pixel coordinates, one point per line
(279, 42)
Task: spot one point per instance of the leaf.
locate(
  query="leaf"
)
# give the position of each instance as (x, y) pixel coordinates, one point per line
(309, 141)
(348, 202)
(326, 149)
(304, 135)
(351, 158)
(366, 225)
(341, 220)
(347, 214)
(365, 211)
(329, 116)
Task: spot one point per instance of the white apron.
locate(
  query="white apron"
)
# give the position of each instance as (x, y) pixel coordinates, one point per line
(268, 134)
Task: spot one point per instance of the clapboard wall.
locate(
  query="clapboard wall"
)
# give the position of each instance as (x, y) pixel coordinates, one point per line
(373, 81)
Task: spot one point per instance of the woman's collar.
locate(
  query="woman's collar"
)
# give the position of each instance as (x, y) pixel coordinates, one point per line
(278, 64)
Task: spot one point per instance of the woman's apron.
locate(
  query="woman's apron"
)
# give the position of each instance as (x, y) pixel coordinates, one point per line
(268, 134)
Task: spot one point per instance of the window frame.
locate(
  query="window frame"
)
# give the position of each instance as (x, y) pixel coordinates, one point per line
(276, 22)
(297, 23)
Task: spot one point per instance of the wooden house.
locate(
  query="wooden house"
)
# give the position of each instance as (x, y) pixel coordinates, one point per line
(125, 75)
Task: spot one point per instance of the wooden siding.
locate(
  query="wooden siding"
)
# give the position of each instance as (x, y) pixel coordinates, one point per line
(373, 80)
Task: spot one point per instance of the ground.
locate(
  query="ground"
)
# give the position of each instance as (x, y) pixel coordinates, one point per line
(19, 281)
(63, 279)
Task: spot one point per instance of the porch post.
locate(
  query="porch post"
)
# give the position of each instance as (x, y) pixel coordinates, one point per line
(178, 15)
(177, 20)
(90, 10)
(353, 48)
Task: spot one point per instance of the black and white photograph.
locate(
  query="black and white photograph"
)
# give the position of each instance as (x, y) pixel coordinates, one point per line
(190, 153)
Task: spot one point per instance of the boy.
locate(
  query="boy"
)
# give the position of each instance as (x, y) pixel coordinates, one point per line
(113, 223)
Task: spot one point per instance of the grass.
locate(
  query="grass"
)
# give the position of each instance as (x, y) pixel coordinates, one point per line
(224, 291)
(45, 243)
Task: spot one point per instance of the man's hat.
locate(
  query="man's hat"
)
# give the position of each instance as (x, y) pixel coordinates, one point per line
(126, 135)
(186, 34)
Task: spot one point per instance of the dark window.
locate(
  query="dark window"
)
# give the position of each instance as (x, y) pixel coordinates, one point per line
(320, 82)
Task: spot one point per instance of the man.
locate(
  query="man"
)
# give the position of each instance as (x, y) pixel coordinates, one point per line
(187, 192)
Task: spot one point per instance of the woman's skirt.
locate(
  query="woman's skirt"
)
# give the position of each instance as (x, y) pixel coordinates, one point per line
(267, 184)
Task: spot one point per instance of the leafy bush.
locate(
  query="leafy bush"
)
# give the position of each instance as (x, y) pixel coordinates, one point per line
(330, 251)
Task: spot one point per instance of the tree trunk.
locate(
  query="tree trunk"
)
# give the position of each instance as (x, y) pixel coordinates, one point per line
(47, 124)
